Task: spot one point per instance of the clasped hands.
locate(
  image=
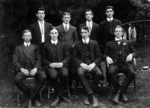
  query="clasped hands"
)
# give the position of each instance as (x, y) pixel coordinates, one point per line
(56, 65)
(27, 73)
(128, 59)
(88, 67)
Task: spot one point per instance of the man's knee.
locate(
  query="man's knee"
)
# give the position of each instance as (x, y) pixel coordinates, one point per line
(80, 71)
(111, 70)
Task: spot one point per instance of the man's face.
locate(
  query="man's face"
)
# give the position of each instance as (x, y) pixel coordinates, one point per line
(66, 19)
(40, 15)
(118, 32)
(84, 34)
(88, 16)
(54, 34)
(27, 37)
(109, 13)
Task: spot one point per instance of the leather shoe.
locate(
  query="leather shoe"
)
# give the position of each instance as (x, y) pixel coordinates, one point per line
(86, 101)
(37, 103)
(116, 98)
(124, 97)
(65, 100)
(56, 102)
(95, 102)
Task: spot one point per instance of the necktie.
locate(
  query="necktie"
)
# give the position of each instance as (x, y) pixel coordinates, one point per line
(89, 26)
(27, 50)
(66, 29)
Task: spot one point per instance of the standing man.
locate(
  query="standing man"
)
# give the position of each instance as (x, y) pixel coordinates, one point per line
(107, 27)
(92, 26)
(55, 59)
(68, 35)
(87, 56)
(27, 62)
(40, 29)
(119, 56)
(67, 32)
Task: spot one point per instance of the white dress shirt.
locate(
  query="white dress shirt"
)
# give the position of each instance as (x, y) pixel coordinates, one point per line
(54, 42)
(86, 41)
(42, 29)
(109, 19)
(66, 26)
(27, 44)
(118, 40)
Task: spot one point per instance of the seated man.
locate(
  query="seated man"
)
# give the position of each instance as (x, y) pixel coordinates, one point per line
(119, 55)
(27, 61)
(55, 59)
(87, 56)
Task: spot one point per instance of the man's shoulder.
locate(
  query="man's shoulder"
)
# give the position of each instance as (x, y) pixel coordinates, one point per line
(73, 27)
(95, 24)
(116, 20)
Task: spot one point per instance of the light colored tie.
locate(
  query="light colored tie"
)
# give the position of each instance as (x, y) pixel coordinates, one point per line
(66, 28)
(90, 28)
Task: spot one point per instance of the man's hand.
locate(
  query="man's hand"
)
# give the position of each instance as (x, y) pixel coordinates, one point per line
(53, 65)
(109, 60)
(84, 66)
(33, 71)
(59, 65)
(129, 58)
(25, 71)
(91, 66)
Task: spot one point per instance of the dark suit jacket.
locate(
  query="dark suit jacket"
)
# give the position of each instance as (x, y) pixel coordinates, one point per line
(95, 52)
(105, 35)
(68, 37)
(36, 33)
(49, 53)
(20, 57)
(94, 32)
(113, 49)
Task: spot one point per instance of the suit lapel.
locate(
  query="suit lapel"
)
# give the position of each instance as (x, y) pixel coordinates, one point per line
(38, 27)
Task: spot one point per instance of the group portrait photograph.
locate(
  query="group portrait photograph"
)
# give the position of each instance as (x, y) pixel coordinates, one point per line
(74, 53)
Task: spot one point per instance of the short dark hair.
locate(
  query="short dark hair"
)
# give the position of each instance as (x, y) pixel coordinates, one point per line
(88, 10)
(41, 8)
(26, 31)
(109, 7)
(66, 13)
(53, 28)
(84, 27)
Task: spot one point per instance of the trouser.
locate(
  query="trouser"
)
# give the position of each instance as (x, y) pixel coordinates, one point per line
(96, 76)
(58, 79)
(40, 79)
(127, 69)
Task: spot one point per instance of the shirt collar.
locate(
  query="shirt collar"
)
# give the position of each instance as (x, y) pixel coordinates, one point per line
(54, 42)
(66, 25)
(87, 22)
(40, 22)
(109, 19)
(86, 41)
(25, 44)
(118, 39)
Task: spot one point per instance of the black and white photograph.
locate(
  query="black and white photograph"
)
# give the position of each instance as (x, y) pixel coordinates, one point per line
(74, 53)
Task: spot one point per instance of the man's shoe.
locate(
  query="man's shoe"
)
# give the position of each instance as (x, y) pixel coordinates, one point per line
(30, 104)
(65, 100)
(116, 98)
(86, 101)
(124, 97)
(37, 103)
(95, 102)
(56, 102)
